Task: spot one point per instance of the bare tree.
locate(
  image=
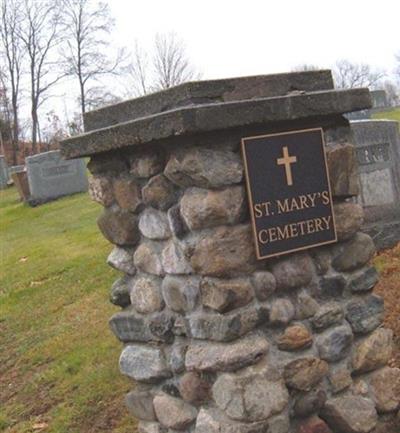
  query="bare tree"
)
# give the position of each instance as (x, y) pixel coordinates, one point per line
(97, 97)
(392, 93)
(171, 64)
(397, 69)
(138, 71)
(348, 75)
(53, 131)
(87, 27)
(40, 35)
(5, 118)
(167, 65)
(305, 67)
(12, 53)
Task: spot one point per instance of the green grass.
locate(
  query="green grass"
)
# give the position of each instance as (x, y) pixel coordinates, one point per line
(390, 115)
(58, 359)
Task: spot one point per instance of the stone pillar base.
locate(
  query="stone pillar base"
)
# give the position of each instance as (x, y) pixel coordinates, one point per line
(215, 340)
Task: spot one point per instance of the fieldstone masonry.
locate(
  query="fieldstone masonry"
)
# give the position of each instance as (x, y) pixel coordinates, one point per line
(214, 340)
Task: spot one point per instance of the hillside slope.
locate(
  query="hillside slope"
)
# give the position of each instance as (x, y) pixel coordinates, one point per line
(58, 359)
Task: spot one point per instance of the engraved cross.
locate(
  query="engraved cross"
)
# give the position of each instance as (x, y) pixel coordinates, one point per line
(287, 161)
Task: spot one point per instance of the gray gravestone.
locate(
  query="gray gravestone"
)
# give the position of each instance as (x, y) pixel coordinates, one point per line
(50, 176)
(3, 173)
(379, 99)
(378, 153)
(15, 169)
(377, 144)
(379, 103)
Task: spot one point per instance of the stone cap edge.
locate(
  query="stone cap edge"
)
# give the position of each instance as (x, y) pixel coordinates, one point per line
(217, 116)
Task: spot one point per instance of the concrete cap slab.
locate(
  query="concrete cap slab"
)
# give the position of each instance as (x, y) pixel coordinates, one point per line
(206, 92)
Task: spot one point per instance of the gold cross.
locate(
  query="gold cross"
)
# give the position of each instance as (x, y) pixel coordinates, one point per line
(286, 161)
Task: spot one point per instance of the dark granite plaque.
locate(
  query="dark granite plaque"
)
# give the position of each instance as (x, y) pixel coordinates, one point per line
(289, 193)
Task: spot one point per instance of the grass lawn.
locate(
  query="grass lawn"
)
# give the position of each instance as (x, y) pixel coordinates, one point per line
(390, 114)
(58, 359)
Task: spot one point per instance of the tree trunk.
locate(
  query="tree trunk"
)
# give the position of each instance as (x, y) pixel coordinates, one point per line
(83, 101)
(34, 128)
(15, 130)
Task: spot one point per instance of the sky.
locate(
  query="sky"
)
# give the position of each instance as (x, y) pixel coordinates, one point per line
(226, 38)
(229, 38)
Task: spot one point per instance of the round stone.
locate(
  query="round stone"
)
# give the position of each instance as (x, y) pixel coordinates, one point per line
(295, 337)
(282, 312)
(385, 389)
(309, 403)
(143, 363)
(100, 190)
(225, 294)
(119, 226)
(175, 258)
(127, 194)
(153, 224)
(140, 404)
(180, 293)
(350, 414)
(122, 260)
(147, 164)
(201, 208)
(334, 344)
(211, 356)
(193, 388)
(328, 315)
(223, 251)
(146, 295)
(159, 192)
(373, 352)
(253, 394)
(340, 378)
(349, 218)
(147, 258)
(204, 168)
(343, 170)
(120, 291)
(264, 284)
(365, 315)
(304, 373)
(306, 306)
(293, 272)
(363, 280)
(354, 253)
(173, 412)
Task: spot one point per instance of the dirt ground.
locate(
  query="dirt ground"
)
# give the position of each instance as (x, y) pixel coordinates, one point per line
(388, 263)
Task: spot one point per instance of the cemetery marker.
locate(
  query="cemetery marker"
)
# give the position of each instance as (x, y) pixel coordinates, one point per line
(289, 193)
(201, 321)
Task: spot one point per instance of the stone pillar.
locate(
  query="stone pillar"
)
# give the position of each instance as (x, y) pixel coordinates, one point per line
(214, 340)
